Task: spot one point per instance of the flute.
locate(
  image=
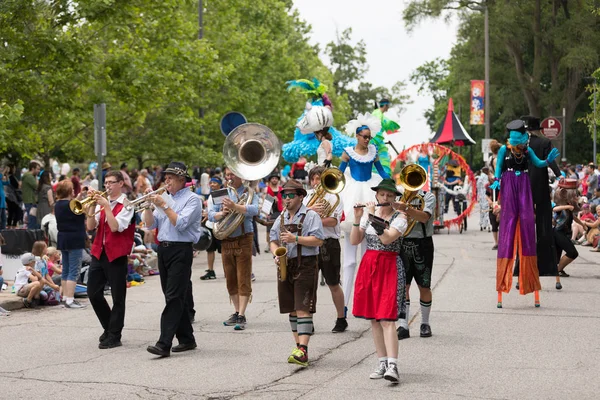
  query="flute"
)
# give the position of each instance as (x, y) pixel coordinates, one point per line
(376, 205)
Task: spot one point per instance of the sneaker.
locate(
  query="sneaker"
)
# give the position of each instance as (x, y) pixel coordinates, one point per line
(340, 325)
(253, 277)
(232, 320)
(110, 343)
(403, 333)
(299, 357)
(495, 247)
(391, 374)
(267, 250)
(558, 286)
(240, 325)
(563, 274)
(380, 371)
(210, 274)
(75, 304)
(425, 330)
(27, 303)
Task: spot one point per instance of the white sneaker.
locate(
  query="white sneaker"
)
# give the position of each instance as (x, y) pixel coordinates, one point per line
(75, 304)
(392, 374)
(379, 372)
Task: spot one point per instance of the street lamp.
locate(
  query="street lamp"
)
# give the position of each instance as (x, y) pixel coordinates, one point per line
(486, 33)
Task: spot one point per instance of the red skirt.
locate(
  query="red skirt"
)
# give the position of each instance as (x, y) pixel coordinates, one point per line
(375, 289)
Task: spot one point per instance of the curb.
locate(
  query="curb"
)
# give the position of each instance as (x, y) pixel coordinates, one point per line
(12, 303)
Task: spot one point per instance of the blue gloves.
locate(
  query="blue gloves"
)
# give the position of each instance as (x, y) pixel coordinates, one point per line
(495, 185)
(552, 156)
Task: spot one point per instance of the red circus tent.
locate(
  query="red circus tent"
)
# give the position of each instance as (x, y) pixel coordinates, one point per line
(451, 131)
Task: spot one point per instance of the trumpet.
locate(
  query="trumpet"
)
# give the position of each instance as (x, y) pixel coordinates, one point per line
(78, 207)
(142, 203)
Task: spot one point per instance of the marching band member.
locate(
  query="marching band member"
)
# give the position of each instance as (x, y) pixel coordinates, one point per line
(380, 282)
(300, 230)
(273, 190)
(112, 245)
(236, 250)
(215, 183)
(179, 228)
(417, 252)
(360, 159)
(329, 258)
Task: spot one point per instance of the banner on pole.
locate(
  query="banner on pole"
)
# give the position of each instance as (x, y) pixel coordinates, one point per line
(477, 102)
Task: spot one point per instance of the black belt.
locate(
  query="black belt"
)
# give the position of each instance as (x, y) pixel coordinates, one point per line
(170, 244)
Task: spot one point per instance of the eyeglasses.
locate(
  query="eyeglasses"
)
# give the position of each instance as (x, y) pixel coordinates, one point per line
(288, 195)
(365, 137)
(110, 182)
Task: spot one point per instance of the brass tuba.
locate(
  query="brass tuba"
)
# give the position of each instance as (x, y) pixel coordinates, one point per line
(251, 151)
(412, 178)
(333, 181)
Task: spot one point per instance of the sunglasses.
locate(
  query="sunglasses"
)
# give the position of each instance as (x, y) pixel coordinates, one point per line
(288, 195)
(365, 137)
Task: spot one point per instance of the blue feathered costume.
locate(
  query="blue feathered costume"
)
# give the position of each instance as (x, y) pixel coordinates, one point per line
(307, 144)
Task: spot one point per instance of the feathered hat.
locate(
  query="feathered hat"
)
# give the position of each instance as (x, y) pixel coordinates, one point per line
(315, 119)
(363, 121)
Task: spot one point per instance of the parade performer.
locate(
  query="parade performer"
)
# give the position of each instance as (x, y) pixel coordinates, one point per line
(380, 282)
(330, 252)
(318, 120)
(360, 159)
(178, 221)
(236, 250)
(112, 245)
(565, 213)
(517, 222)
(417, 252)
(482, 182)
(215, 183)
(387, 126)
(300, 231)
(306, 144)
(540, 190)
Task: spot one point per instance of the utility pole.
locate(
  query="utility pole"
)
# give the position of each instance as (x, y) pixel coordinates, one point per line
(200, 36)
(595, 120)
(486, 29)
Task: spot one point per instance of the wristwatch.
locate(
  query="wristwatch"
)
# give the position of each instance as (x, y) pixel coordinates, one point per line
(165, 207)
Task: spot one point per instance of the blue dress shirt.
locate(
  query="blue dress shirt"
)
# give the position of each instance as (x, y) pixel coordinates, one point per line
(188, 207)
(251, 211)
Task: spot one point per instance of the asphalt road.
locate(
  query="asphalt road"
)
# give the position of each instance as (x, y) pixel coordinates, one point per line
(477, 351)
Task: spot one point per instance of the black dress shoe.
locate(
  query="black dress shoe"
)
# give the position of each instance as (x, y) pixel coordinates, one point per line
(103, 337)
(109, 343)
(158, 351)
(403, 333)
(184, 347)
(425, 330)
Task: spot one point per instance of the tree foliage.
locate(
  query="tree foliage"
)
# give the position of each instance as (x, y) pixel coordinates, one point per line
(165, 89)
(349, 65)
(540, 54)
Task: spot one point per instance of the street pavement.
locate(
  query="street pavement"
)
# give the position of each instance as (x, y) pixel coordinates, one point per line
(477, 351)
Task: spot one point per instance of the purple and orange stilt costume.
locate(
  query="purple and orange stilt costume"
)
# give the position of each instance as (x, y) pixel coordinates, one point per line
(517, 219)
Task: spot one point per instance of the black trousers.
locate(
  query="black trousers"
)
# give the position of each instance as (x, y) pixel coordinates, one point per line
(175, 267)
(115, 273)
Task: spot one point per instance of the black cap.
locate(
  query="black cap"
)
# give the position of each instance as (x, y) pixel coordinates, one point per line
(531, 123)
(516, 125)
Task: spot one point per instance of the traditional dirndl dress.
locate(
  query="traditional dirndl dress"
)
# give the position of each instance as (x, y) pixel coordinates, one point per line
(381, 279)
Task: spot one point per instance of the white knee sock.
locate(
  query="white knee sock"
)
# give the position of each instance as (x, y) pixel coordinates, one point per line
(349, 267)
(425, 310)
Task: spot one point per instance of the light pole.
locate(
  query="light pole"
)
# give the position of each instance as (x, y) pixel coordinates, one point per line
(595, 120)
(486, 30)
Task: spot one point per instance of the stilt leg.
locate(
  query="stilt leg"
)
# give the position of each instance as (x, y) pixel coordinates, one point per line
(499, 300)
(537, 298)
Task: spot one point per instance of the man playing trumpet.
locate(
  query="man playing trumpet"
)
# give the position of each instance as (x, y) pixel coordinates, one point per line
(236, 250)
(300, 231)
(330, 252)
(112, 245)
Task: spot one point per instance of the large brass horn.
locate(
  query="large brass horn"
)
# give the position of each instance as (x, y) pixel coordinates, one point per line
(251, 151)
(332, 181)
(412, 178)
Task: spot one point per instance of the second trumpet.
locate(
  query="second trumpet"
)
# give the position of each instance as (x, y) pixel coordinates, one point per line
(141, 203)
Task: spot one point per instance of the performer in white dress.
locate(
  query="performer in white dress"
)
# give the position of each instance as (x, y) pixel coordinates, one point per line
(359, 179)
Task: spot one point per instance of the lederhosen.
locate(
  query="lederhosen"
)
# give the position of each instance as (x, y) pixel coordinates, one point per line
(417, 255)
(299, 290)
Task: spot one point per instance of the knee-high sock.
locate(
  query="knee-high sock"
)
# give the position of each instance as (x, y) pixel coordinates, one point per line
(293, 323)
(425, 310)
(305, 326)
(350, 262)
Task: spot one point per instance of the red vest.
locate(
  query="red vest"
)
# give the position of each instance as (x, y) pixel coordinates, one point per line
(118, 244)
